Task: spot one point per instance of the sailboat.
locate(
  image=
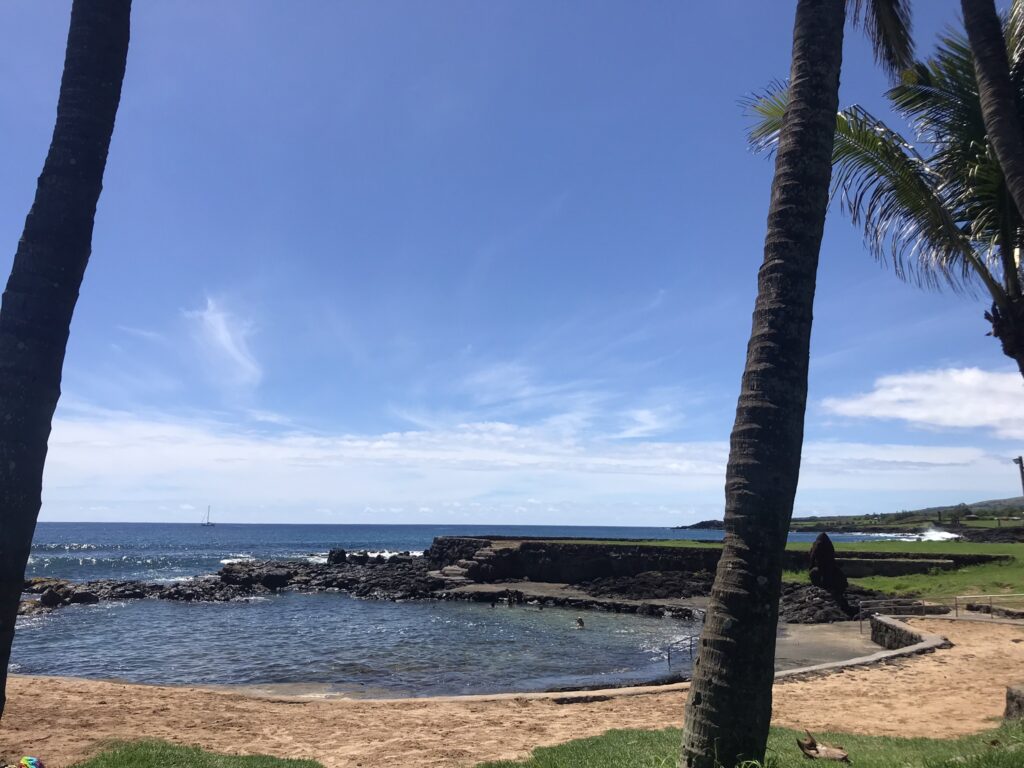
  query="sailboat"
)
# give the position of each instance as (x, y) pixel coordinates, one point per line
(206, 518)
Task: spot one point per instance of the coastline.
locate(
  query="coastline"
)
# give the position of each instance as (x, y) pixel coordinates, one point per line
(66, 719)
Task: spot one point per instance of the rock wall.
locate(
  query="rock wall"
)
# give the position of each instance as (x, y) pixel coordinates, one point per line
(448, 550)
(1014, 702)
(892, 634)
(570, 562)
(857, 567)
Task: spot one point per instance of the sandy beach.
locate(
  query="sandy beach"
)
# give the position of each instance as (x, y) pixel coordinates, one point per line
(947, 693)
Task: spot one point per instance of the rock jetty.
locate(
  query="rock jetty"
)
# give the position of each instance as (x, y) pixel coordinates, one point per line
(619, 578)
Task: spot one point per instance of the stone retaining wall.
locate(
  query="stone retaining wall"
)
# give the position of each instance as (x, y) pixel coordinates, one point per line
(1014, 702)
(892, 634)
(570, 562)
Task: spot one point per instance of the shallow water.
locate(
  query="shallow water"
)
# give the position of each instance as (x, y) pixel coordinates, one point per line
(359, 647)
(346, 645)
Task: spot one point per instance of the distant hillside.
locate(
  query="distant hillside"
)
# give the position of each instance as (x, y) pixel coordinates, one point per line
(908, 520)
(980, 513)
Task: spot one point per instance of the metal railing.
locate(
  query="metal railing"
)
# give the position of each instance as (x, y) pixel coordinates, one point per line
(990, 600)
(685, 643)
(903, 606)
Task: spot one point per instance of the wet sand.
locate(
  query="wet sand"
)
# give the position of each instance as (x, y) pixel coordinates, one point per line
(946, 693)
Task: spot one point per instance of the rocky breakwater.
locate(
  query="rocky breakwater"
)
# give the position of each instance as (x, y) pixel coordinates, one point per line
(640, 572)
(400, 577)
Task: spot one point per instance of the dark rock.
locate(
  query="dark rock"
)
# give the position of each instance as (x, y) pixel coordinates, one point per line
(336, 557)
(51, 598)
(39, 584)
(1014, 702)
(275, 578)
(358, 558)
(651, 585)
(84, 596)
(32, 608)
(824, 570)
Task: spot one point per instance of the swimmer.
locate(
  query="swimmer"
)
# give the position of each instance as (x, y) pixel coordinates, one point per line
(579, 622)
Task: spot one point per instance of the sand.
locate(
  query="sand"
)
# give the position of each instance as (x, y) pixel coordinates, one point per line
(950, 692)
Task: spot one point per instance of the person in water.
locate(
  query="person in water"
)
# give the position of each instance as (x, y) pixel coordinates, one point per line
(579, 622)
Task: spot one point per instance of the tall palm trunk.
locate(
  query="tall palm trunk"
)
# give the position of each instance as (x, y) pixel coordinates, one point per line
(729, 709)
(35, 317)
(999, 105)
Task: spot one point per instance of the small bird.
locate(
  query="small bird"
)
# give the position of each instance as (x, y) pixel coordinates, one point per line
(815, 751)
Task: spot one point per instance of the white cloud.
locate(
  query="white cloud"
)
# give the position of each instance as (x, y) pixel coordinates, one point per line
(225, 339)
(945, 398)
(142, 333)
(472, 472)
(648, 422)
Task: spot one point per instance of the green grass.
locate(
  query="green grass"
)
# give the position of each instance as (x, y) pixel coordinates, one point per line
(1001, 748)
(159, 754)
(993, 578)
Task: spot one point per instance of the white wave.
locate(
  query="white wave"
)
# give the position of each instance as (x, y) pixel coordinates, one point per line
(387, 553)
(932, 534)
(317, 559)
(937, 535)
(237, 557)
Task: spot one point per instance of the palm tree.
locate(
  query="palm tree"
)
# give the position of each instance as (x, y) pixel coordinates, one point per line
(946, 218)
(1000, 102)
(729, 707)
(35, 316)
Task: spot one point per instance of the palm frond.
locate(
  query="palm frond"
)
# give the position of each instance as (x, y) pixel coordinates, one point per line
(899, 200)
(890, 192)
(767, 109)
(1014, 32)
(887, 24)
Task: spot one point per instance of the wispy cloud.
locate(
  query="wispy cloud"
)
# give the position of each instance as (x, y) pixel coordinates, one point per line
(224, 338)
(142, 333)
(649, 422)
(950, 398)
(475, 471)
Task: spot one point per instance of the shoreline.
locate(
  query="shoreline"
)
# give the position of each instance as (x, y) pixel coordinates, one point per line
(800, 647)
(951, 692)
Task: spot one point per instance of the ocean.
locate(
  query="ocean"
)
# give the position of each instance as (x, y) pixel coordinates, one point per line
(326, 642)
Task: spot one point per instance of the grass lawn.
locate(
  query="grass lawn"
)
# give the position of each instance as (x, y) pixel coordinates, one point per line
(158, 754)
(986, 579)
(1001, 748)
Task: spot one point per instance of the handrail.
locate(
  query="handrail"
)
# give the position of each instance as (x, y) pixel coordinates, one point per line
(972, 598)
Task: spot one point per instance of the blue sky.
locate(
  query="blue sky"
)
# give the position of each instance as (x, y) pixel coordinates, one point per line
(468, 262)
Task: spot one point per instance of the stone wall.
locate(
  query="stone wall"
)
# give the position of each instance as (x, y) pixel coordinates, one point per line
(892, 634)
(1014, 702)
(858, 567)
(570, 562)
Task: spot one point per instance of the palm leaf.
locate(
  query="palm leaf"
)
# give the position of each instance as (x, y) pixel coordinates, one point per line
(893, 194)
(887, 24)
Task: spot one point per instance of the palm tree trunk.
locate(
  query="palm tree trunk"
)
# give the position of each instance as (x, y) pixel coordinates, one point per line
(729, 708)
(35, 317)
(998, 100)
(1008, 327)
